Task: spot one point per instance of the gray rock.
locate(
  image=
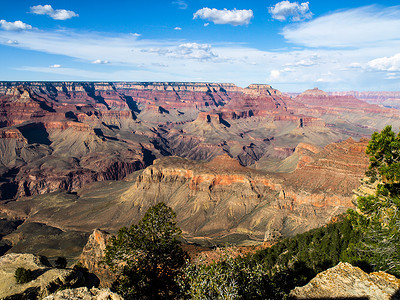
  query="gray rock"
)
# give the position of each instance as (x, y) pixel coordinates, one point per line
(85, 294)
(347, 281)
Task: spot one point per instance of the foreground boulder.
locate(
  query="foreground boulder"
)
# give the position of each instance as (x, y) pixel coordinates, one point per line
(346, 281)
(84, 293)
(46, 279)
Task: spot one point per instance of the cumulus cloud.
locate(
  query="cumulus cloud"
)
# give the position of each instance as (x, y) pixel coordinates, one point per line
(390, 64)
(177, 28)
(233, 17)
(56, 14)
(360, 27)
(135, 34)
(55, 66)
(290, 10)
(14, 26)
(181, 4)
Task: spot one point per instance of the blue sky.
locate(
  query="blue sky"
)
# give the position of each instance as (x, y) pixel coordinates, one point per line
(334, 45)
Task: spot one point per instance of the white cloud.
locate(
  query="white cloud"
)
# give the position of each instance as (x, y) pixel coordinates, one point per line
(56, 14)
(360, 27)
(177, 28)
(195, 51)
(206, 24)
(274, 75)
(159, 65)
(392, 76)
(11, 42)
(391, 64)
(307, 62)
(55, 66)
(233, 17)
(181, 4)
(290, 10)
(14, 26)
(355, 65)
(135, 34)
(100, 62)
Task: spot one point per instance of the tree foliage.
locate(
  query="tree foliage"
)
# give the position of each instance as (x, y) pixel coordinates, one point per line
(272, 272)
(377, 215)
(226, 278)
(147, 257)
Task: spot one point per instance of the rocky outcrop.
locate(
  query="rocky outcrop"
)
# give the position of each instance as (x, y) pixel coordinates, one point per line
(84, 293)
(347, 282)
(93, 254)
(46, 279)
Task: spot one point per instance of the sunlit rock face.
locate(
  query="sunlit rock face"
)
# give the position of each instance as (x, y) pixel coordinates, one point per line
(345, 281)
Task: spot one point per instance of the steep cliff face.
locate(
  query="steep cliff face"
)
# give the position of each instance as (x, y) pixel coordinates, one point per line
(93, 254)
(347, 282)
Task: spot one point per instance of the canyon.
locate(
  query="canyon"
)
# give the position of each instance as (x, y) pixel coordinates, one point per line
(237, 165)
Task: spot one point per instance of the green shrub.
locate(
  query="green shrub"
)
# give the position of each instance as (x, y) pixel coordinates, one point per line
(23, 275)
